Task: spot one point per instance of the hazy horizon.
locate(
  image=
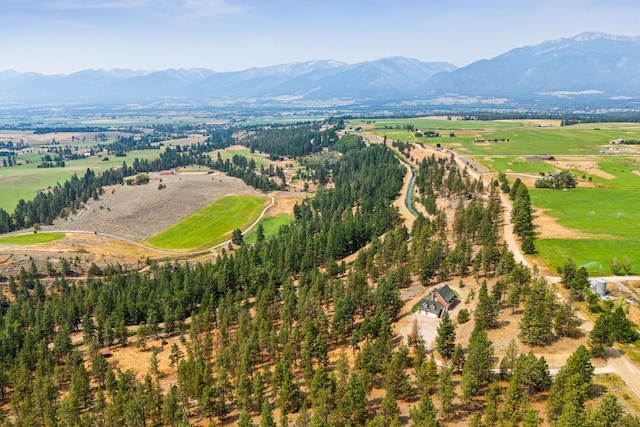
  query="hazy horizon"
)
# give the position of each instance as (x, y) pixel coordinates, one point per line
(67, 36)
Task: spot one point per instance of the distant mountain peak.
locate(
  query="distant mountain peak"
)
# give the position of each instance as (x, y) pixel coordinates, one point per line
(591, 35)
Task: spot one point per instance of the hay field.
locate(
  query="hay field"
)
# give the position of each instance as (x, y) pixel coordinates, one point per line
(139, 212)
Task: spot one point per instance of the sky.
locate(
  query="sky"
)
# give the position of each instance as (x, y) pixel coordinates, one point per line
(65, 36)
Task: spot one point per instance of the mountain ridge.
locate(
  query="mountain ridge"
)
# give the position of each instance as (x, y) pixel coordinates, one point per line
(587, 68)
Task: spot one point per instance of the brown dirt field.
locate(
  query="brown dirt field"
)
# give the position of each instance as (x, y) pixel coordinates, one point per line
(537, 122)
(583, 164)
(139, 212)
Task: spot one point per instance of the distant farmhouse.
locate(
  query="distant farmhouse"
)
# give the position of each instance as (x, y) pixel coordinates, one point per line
(437, 302)
(539, 158)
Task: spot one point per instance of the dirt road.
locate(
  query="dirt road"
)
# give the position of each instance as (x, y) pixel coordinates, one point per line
(617, 362)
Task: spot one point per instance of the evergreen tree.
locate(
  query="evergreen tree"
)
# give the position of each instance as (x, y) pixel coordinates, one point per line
(600, 337)
(266, 416)
(477, 369)
(608, 413)
(425, 414)
(446, 392)
(488, 309)
(446, 338)
(570, 388)
(536, 325)
(389, 408)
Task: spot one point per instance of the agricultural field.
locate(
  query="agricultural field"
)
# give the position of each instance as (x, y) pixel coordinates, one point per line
(25, 180)
(211, 225)
(139, 212)
(600, 218)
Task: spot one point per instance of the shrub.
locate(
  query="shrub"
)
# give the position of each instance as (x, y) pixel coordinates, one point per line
(463, 316)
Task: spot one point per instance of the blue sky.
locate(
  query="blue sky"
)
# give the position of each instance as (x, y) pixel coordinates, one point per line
(64, 36)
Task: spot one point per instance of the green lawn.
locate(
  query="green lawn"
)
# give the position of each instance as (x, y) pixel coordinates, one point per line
(31, 239)
(270, 226)
(24, 181)
(211, 225)
(593, 211)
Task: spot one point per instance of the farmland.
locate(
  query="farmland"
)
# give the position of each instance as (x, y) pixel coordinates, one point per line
(211, 225)
(240, 151)
(25, 180)
(601, 212)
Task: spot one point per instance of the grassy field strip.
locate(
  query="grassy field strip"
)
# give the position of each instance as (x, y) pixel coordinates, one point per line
(211, 225)
(31, 239)
(611, 216)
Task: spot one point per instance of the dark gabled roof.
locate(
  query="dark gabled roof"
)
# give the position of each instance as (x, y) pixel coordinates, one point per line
(432, 306)
(446, 293)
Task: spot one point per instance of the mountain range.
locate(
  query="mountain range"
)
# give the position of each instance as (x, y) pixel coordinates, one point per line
(589, 70)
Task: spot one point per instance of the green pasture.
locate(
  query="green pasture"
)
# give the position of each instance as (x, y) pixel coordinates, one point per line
(593, 211)
(593, 254)
(622, 168)
(24, 181)
(270, 225)
(522, 137)
(31, 239)
(211, 225)
(609, 218)
(517, 164)
(229, 153)
(427, 123)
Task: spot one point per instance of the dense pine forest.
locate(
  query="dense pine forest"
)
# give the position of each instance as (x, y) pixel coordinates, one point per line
(288, 331)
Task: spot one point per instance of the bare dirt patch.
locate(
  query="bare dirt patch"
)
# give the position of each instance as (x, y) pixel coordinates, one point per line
(585, 165)
(83, 248)
(285, 202)
(139, 212)
(548, 227)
